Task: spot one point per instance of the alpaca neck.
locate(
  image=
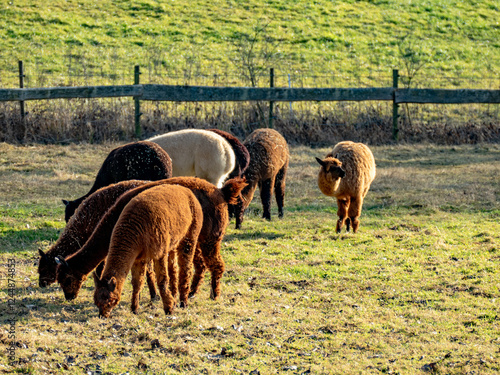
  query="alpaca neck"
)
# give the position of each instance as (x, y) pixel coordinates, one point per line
(330, 188)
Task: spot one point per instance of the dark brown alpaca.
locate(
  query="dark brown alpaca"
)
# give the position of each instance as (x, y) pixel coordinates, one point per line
(269, 158)
(73, 272)
(160, 223)
(134, 161)
(80, 228)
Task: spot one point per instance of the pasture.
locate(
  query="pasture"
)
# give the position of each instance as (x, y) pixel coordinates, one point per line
(416, 290)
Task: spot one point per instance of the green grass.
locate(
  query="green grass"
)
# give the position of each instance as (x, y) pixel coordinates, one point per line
(343, 39)
(414, 291)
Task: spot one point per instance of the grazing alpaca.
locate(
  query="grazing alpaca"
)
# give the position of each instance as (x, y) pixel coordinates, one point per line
(134, 161)
(199, 153)
(80, 228)
(269, 157)
(346, 174)
(160, 223)
(74, 270)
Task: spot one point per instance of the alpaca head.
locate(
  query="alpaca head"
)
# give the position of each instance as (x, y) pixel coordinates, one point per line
(70, 208)
(47, 269)
(70, 281)
(329, 175)
(106, 295)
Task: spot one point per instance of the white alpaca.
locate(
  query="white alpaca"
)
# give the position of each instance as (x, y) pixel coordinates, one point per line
(199, 153)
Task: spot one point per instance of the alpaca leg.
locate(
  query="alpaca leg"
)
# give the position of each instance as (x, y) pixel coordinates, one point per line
(343, 206)
(161, 273)
(173, 274)
(266, 193)
(279, 187)
(150, 279)
(138, 271)
(355, 212)
(244, 202)
(185, 254)
(199, 271)
(215, 264)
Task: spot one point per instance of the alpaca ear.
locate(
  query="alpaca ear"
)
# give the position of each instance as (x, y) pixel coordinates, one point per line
(96, 279)
(320, 162)
(112, 284)
(42, 254)
(65, 202)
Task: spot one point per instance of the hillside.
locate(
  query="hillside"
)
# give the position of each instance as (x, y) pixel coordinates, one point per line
(341, 38)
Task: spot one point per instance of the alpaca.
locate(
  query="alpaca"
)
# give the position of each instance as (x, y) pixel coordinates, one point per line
(269, 158)
(160, 223)
(199, 153)
(80, 228)
(346, 173)
(74, 269)
(134, 161)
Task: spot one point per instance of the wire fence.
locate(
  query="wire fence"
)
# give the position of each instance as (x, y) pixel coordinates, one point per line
(92, 75)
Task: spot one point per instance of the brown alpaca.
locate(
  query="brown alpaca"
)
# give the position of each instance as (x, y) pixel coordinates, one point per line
(269, 158)
(346, 173)
(160, 223)
(141, 160)
(74, 270)
(80, 228)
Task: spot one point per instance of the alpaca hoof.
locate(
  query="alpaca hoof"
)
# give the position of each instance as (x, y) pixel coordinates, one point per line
(213, 295)
(183, 304)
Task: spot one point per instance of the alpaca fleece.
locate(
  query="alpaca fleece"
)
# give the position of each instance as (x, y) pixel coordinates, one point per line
(269, 158)
(199, 153)
(215, 220)
(358, 164)
(134, 161)
(160, 223)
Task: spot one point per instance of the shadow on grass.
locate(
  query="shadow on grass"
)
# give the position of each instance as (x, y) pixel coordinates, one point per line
(42, 301)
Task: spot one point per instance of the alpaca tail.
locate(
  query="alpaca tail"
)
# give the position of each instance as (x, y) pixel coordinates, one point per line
(232, 189)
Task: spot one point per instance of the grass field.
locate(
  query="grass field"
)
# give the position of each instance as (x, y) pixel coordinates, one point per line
(341, 39)
(414, 291)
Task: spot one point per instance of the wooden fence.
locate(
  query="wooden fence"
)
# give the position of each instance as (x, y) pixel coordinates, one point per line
(272, 94)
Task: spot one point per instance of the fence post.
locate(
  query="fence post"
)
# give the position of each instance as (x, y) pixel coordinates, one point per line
(271, 104)
(21, 85)
(137, 103)
(395, 106)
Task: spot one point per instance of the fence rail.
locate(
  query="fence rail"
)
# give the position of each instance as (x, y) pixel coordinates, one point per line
(208, 94)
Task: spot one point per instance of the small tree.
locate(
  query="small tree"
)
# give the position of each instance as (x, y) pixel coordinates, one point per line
(256, 54)
(413, 56)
